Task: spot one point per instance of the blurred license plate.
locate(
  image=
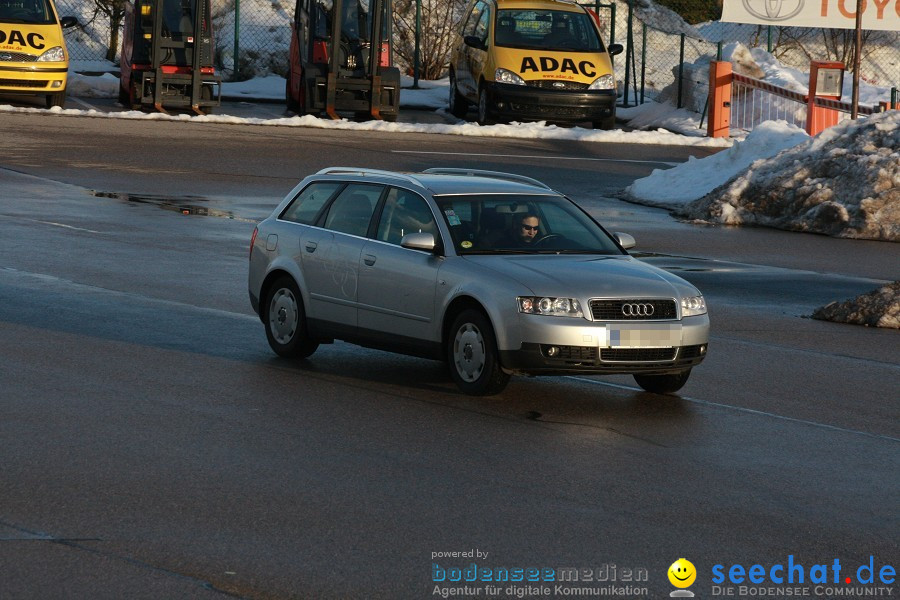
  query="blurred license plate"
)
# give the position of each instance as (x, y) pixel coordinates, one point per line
(643, 336)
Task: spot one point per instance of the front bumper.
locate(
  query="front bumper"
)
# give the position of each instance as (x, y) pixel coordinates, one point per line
(558, 345)
(29, 78)
(507, 101)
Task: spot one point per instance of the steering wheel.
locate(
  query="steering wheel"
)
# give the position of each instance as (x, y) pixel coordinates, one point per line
(549, 236)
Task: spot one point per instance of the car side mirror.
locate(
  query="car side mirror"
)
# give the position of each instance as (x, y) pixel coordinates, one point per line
(419, 241)
(625, 240)
(475, 42)
(66, 22)
(615, 49)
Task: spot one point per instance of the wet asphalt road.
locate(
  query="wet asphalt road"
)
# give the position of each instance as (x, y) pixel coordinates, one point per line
(154, 447)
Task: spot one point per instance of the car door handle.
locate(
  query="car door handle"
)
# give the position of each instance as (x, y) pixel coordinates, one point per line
(311, 246)
(369, 259)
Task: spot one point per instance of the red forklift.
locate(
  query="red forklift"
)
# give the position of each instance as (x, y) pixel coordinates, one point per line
(167, 57)
(342, 60)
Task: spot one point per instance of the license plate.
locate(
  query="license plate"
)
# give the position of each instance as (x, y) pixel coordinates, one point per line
(643, 336)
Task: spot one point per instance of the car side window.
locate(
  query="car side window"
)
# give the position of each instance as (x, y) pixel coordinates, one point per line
(404, 212)
(309, 202)
(474, 17)
(481, 28)
(351, 212)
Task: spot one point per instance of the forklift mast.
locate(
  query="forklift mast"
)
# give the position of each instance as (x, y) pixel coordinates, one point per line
(343, 53)
(168, 45)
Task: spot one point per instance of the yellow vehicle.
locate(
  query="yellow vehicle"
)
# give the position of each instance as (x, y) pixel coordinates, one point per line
(33, 56)
(533, 60)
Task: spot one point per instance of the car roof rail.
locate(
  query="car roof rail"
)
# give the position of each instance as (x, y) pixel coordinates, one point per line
(364, 171)
(491, 174)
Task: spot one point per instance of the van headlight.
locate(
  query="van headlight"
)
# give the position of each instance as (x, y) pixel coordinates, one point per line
(504, 76)
(54, 54)
(692, 306)
(554, 307)
(604, 82)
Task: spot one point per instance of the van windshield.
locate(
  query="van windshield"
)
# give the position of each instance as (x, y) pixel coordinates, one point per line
(547, 30)
(33, 12)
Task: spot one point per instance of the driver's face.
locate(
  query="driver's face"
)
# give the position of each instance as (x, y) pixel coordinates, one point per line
(528, 228)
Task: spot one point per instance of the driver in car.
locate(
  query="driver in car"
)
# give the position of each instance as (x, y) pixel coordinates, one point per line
(527, 230)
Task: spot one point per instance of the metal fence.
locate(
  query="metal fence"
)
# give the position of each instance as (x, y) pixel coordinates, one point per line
(666, 59)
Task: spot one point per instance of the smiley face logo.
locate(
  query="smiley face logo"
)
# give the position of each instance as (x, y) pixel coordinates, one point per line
(682, 573)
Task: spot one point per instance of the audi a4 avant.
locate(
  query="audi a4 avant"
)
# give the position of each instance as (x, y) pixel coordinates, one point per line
(494, 273)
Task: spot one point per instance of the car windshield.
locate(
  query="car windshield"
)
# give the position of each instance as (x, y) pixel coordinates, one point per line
(522, 224)
(547, 30)
(33, 12)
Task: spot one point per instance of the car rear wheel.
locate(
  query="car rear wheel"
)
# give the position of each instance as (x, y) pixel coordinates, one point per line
(285, 321)
(458, 105)
(663, 384)
(473, 357)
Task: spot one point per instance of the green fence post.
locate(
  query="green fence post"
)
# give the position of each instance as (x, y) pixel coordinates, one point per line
(417, 50)
(681, 72)
(629, 53)
(237, 43)
(719, 50)
(643, 59)
(893, 97)
(769, 39)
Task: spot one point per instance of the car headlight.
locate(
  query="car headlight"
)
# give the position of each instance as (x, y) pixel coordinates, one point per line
(554, 307)
(604, 82)
(54, 54)
(504, 76)
(693, 306)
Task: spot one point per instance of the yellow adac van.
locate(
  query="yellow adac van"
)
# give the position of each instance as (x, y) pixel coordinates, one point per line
(533, 60)
(33, 56)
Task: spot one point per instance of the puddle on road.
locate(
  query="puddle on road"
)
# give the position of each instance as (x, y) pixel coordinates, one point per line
(186, 205)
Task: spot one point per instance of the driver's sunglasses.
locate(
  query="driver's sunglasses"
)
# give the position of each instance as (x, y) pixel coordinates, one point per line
(530, 227)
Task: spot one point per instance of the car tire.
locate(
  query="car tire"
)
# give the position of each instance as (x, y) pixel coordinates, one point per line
(663, 384)
(473, 357)
(606, 123)
(457, 104)
(484, 108)
(56, 99)
(285, 320)
(124, 100)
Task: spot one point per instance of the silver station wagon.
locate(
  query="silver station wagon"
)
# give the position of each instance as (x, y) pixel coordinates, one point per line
(494, 273)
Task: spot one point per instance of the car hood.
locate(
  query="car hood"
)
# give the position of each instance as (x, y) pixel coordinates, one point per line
(579, 276)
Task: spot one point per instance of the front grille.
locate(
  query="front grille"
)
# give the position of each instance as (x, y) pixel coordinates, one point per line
(556, 84)
(638, 354)
(23, 83)
(640, 309)
(552, 111)
(17, 57)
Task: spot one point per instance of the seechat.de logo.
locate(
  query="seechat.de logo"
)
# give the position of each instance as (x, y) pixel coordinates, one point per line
(774, 10)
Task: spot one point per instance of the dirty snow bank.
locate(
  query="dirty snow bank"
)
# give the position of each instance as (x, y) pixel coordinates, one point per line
(844, 182)
(880, 308)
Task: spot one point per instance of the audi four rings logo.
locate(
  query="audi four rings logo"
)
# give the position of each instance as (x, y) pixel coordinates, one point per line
(774, 10)
(637, 310)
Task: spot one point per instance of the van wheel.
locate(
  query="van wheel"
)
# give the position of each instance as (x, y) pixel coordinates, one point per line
(285, 321)
(663, 384)
(206, 95)
(57, 99)
(292, 105)
(124, 100)
(473, 357)
(457, 104)
(606, 123)
(484, 111)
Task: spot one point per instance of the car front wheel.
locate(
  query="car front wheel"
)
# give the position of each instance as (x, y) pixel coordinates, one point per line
(473, 357)
(459, 106)
(484, 109)
(285, 321)
(663, 384)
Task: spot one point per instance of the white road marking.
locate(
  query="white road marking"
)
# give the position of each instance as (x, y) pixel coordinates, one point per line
(83, 103)
(542, 157)
(63, 225)
(751, 411)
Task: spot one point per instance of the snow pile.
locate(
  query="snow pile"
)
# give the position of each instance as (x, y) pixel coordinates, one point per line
(880, 308)
(667, 187)
(844, 182)
(662, 18)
